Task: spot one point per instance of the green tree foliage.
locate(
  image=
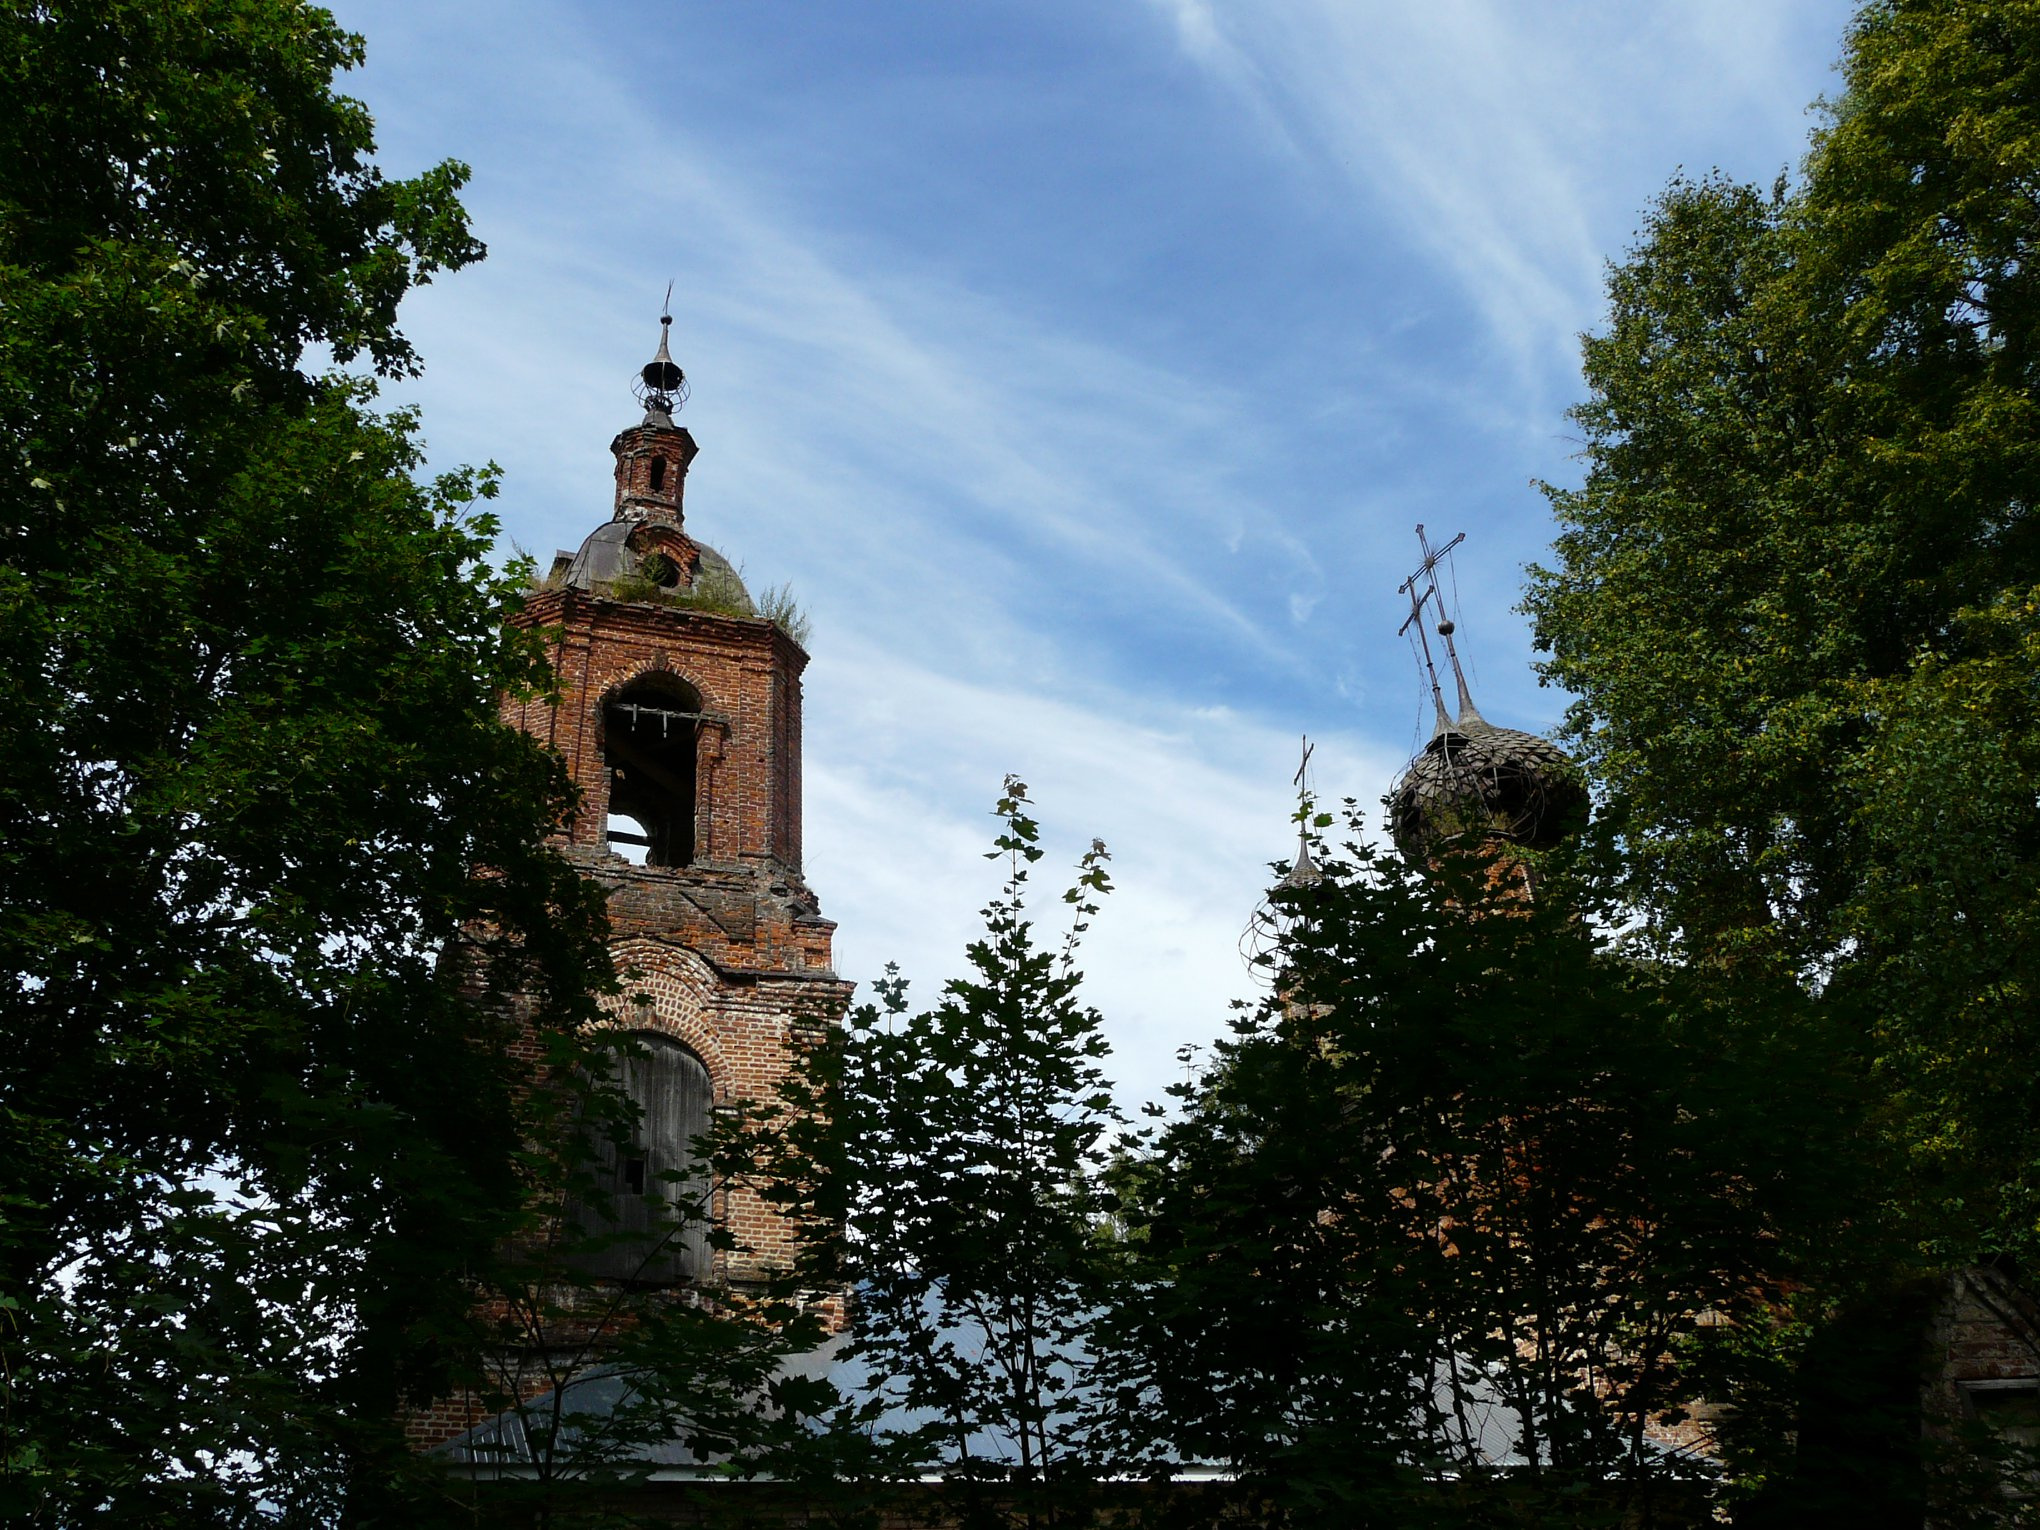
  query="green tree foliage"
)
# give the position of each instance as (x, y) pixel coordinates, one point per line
(266, 850)
(1798, 591)
(1465, 1205)
(597, 1366)
(946, 1164)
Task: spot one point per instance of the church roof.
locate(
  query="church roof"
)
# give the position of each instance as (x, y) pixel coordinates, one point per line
(1474, 779)
(607, 556)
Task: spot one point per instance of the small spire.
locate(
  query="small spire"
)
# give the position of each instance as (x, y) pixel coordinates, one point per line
(1445, 623)
(1262, 941)
(1468, 712)
(661, 386)
(1304, 871)
(1415, 620)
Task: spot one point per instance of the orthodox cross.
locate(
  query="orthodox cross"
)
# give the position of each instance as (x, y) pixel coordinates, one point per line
(1422, 589)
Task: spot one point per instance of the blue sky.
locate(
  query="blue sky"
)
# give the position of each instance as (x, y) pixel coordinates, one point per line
(1084, 367)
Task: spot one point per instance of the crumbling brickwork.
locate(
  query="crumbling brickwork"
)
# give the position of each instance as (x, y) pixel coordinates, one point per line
(748, 750)
(1984, 1338)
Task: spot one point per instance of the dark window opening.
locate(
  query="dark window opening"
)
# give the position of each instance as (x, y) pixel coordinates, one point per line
(649, 1220)
(658, 474)
(649, 733)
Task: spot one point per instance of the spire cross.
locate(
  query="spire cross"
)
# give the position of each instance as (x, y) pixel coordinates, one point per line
(1416, 619)
(1427, 576)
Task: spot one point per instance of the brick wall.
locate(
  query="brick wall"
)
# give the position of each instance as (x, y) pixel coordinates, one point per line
(748, 675)
(728, 954)
(651, 469)
(1985, 1329)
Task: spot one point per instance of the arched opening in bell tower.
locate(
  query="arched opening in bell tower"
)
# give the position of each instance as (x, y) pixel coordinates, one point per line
(649, 1219)
(648, 732)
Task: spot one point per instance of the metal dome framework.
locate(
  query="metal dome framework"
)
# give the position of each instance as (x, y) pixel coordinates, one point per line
(1474, 780)
(1478, 781)
(1275, 916)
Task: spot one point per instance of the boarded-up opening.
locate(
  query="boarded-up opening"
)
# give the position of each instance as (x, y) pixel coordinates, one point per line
(653, 1228)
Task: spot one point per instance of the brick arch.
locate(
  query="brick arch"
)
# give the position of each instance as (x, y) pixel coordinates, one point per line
(711, 736)
(654, 537)
(649, 669)
(682, 990)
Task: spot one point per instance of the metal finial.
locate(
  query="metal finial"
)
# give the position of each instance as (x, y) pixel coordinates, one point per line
(1268, 927)
(1467, 710)
(1303, 872)
(661, 386)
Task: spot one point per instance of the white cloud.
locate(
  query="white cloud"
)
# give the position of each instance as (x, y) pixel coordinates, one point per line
(874, 435)
(1030, 541)
(933, 470)
(1193, 803)
(1501, 139)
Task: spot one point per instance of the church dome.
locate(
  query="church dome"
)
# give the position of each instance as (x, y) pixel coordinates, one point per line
(1488, 783)
(626, 549)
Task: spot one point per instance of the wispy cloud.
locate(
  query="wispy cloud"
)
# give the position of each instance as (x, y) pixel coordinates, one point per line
(885, 437)
(975, 504)
(1499, 137)
(1193, 804)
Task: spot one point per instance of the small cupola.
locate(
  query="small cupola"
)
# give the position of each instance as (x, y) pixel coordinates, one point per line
(652, 457)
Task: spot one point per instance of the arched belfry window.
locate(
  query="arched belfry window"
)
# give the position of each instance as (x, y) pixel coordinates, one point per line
(648, 732)
(650, 1221)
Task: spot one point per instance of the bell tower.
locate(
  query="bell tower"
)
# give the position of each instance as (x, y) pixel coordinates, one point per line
(678, 715)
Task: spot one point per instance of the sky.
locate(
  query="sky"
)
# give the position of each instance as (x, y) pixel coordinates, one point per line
(1085, 369)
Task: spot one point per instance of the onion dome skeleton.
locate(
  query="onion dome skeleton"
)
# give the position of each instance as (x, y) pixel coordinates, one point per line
(1275, 915)
(1473, 779)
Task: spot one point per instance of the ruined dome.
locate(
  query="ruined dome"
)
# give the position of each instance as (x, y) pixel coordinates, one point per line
(622, 549)
(1489, 783)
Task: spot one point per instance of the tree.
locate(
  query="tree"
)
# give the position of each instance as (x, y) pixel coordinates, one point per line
(1466, 1208)
(1795, 597)
(269, 861)
(947, 1164)
(1795, 594)
(600, 1354)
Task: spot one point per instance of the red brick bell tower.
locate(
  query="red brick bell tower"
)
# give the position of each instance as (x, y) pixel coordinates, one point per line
(679, 719)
